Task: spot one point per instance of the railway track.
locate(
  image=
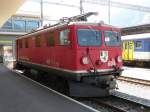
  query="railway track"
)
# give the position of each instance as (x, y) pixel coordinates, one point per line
(114, 104)
(134, 80)
(108, 105)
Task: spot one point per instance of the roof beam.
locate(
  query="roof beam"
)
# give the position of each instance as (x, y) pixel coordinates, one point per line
(8, 8)
(56, 3)
(145, 28)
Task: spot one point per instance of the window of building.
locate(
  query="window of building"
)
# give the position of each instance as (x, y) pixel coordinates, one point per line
(32, 25)
(19, 25)
(63, 37)
(138, 44)
(8, 25)
(38, 41)
(50, 39)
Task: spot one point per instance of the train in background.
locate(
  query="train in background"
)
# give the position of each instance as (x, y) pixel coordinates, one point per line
(136, 50)
(82, 59)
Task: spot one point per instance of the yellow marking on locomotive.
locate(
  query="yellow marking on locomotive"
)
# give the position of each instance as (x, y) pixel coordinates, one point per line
(128, 50)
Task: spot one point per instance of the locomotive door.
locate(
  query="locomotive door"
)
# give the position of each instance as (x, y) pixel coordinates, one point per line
(128, 49)
(125, 50)
(64, 50)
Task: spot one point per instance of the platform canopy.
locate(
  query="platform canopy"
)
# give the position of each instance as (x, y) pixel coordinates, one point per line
(8, 8)
(132, 30)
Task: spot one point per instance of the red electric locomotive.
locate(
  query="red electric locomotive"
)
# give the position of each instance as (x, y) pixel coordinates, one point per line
(82, 58)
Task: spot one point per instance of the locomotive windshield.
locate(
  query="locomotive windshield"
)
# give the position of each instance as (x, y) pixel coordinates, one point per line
(89, 37)
(112, 38)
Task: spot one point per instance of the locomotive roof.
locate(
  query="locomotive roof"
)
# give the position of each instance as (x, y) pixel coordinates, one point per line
(89, 23)
(36, 32)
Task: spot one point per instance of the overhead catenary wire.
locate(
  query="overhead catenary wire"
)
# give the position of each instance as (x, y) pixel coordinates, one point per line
(101, 2)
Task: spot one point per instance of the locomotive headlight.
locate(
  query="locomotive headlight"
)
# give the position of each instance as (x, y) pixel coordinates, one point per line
(119, 59)
(85, 60)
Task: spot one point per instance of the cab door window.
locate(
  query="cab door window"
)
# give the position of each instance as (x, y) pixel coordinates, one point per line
(112, 38)
(63, 37)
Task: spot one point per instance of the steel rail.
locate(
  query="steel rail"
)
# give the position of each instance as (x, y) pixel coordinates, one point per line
(115, 108)
(115, 104)
(119, 104)
(134, 80)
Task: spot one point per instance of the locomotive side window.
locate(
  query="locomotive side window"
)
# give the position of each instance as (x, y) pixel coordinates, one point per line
(63, 37)
(50, 39)
(112, 38)
(23, 43)
(26, 43)
(38, 41)
(20, 43)
(89, 37)
(138, 44)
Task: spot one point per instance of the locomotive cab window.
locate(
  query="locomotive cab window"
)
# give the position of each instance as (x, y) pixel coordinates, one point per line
(63, 37)
(112, 38)
(89, 37)
(138, 44)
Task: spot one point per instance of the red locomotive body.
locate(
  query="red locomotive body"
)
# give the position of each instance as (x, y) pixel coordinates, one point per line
(83, 54)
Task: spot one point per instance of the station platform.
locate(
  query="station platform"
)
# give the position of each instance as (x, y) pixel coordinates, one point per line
(133, 89)
(19, 94)
(134, 72)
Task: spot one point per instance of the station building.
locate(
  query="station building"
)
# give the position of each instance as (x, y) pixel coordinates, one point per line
(14, 27)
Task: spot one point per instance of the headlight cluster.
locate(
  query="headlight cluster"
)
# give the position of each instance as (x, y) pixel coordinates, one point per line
(119, 59)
